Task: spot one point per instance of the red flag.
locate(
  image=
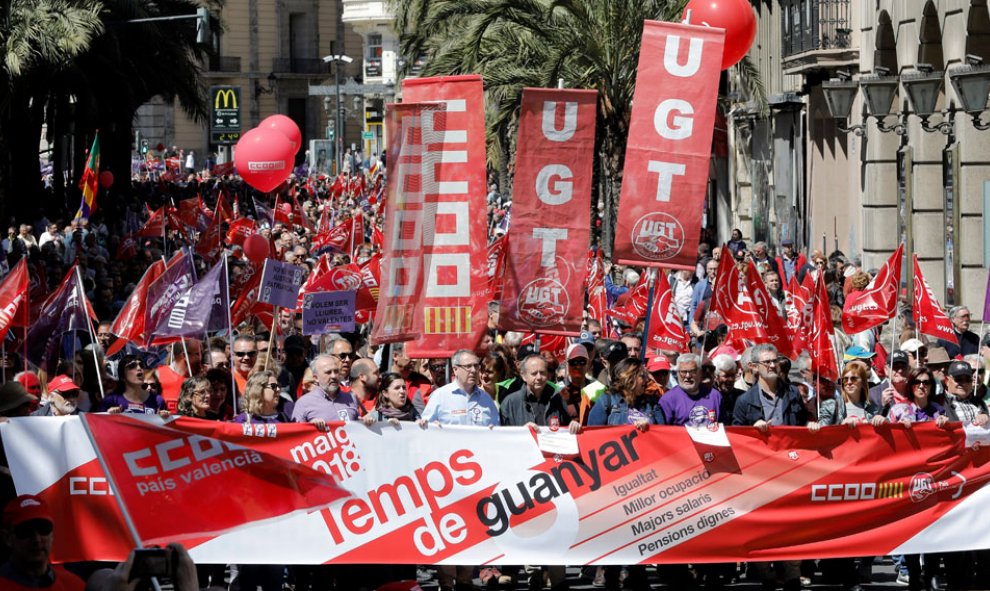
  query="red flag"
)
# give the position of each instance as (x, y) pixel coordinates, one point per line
(129, 324)
(13, 295)
(338, 239)
(630, 307)
(665, 179)
(597, 296)
(239, 230)
(343, 278)
(798, 305)
(159, 471)
(223, 211)
(155, 226)
(823, 360)
(210, 243)
(325, 221)
(191, 213)
(551, 218)
(377, 238)
(928, 314)
(726, 285)
(451, 310)
(878, 302)
(371, 276)
(773, 324)
(496, 266)
(127, 249)
(666, 330)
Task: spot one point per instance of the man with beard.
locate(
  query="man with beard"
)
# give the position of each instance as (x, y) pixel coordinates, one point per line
(326, 402)
(364, 384)
(63, 399)
(690, 402)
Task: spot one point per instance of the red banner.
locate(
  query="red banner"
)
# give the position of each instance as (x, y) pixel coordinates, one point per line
(402, 263)
(666, 330)
(551, 209)
(451, 311)
(476, 496)
(665, 178)
(822, 336)
(773, 324)
(878, 302)
(597, 297)
(928, 314)
(160, 471)
(798, 306)
(496, 266)
(13, 295)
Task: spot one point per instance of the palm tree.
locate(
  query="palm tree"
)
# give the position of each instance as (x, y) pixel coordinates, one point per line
(513, 44)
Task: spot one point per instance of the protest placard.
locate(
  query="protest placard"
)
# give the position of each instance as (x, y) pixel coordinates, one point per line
(328, 311)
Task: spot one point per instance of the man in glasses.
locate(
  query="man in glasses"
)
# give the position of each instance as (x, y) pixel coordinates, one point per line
(245, 354)
(960, 404)
(343, 350)
(63, 398)
(462, 401)
(28, 529)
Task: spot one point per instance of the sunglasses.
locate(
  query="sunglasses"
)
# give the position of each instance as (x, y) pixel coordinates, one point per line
(245, 353)
(963, 379)
(850, 380)
(351, 356)
(274, 386)
(134, 365)
(577, 362)
(923, 382)
(149, 386)
(31, 527)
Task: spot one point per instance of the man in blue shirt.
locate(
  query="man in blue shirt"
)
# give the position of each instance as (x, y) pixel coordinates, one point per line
(462, 402)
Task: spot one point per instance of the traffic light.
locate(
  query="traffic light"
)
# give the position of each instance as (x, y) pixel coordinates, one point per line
(202, 25)
(144, 146)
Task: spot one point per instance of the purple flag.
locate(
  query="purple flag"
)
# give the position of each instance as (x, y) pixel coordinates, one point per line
(263, 213)
(165, 291)
(190, 314)
(986, 302)
(221, 305)
(61, 312)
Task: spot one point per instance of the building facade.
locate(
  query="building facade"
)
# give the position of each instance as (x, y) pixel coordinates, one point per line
(864, 184)
(272, 54)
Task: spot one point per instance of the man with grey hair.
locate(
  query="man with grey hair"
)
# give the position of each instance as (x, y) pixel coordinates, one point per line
(690, 402)
(770, 401)
(462, 402)
(969, 342)
(726, 371)
(762, 260)
(326, 402)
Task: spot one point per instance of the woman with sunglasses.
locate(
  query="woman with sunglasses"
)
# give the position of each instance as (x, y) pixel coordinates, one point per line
(261, 397)
(857, 407)
(393, 403)
(920, 408)
(133, 395)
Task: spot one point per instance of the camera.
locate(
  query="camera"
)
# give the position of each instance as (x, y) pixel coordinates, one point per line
(152, 562)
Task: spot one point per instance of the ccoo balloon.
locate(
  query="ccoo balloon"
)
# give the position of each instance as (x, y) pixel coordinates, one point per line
(286, 127)
(735, 16)
(263, 158)
(256, 248)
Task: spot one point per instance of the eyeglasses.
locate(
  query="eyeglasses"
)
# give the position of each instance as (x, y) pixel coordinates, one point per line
(245, 353)
(273, 386)
(468, 366)
(577, 362)
(687, 372)
(850, 379)
(767, 363)
(202, 393)
(31, 527)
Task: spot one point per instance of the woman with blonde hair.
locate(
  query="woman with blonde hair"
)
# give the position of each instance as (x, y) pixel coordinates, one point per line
(855, 390)
(260, 400)
(627, 402)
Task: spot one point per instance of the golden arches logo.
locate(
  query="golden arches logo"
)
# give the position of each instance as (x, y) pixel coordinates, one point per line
(229, 98)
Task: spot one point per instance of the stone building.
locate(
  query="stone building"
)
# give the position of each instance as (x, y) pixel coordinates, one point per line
(881, 175)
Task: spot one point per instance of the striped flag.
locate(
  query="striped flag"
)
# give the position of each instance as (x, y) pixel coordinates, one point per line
(90, 181)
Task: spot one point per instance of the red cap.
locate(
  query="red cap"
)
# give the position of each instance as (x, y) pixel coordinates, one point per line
(62, 383)
(658, 363)
(25, 508)
(29, 380)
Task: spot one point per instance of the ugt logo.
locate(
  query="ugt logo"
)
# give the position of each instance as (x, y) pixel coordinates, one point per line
(657, 237)
(542, 302)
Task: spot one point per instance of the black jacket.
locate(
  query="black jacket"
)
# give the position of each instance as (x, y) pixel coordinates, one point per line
(749, 409)
(521, 407)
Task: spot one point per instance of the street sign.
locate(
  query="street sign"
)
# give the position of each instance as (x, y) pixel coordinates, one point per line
(368, 135)
(225, 114)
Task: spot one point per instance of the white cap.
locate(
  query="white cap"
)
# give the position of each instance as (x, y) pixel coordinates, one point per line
(912, 345)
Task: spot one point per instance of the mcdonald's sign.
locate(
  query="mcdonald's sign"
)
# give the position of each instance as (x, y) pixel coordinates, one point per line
(225, 114)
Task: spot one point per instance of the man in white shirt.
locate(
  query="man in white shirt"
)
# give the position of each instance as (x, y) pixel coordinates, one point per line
(462, 402)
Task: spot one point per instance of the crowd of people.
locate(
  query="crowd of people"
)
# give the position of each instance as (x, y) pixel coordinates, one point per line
(270, 373)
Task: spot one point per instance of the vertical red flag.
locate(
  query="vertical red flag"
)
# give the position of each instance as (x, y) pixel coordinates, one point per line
(496, 266)
(823, 360)
(726, 285)
(451, 312)
(159, 471)
(551, 215)
(666, 330)
(798, 307)
(402, 265)
(597, 297)
(928, 314)
(129, 324)
(773, 324)
(665, 178)
(878, 302)
(13, 295)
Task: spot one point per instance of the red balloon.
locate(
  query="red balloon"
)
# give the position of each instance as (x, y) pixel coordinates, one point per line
(735, 16)
(256, 248)
(285, 126)
(106, 179)
(263, 158)
(160, 147)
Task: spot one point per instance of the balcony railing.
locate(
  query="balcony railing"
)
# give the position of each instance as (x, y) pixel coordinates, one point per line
(814, 25)
(284, 65)
(225, 63)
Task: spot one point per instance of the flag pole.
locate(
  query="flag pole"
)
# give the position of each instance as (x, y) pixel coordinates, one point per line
(649, 311)
(230, 332)
(27, 322)
(92, 336)
(271, 337)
